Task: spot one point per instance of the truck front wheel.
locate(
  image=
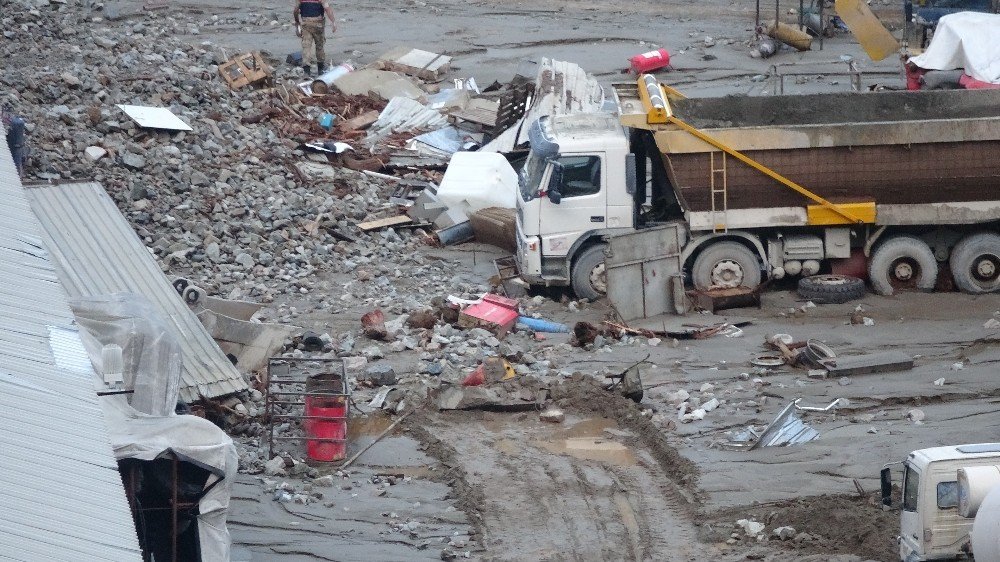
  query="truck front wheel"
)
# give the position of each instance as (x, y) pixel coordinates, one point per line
(725, 265)
(589, 277)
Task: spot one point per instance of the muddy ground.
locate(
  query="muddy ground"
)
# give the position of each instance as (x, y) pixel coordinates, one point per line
(615, 480)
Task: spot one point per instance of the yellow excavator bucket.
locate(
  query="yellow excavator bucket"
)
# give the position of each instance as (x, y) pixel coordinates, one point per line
(874, 38)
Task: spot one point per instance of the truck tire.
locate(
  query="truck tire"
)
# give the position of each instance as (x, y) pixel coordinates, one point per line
(975, 263)
(902, 263)
(726, 265)
(831, 289)
(589, 278)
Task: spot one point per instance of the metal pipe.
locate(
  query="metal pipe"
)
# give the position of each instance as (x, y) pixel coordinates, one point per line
(816, 408)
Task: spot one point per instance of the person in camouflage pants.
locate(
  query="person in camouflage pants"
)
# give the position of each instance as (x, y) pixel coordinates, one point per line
(310, 25)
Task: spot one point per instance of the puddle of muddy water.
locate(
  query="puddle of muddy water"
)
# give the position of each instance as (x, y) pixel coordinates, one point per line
(587, 440)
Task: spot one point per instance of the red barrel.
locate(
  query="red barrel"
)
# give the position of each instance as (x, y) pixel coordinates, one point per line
(648, 62)
(328, 425)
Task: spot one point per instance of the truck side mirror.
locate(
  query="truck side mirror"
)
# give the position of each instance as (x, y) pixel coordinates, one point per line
(630, 179)
(886, 480)
(555, 183)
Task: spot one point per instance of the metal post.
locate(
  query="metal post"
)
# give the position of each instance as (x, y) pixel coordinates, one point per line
(822, 23)
(173, 513)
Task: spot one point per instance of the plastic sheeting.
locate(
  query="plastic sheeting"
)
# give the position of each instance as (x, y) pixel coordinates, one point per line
(966, 40)
(152, 354)
(151, 357)
(478, 180)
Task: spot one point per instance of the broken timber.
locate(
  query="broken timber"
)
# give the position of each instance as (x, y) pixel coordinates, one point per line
(384, 223)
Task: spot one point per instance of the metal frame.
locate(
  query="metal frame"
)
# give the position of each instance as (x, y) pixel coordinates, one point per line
(129, 479)
(287, 387)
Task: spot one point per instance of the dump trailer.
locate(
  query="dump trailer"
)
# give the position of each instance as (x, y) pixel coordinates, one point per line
(950, 506)
(895, 186)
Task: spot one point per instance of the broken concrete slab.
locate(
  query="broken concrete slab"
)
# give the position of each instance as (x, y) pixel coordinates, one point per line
(449, 217)
(251, 343)
(239, 310)
(883, 362)
(386, 85)
(458, 398)
(415, 62)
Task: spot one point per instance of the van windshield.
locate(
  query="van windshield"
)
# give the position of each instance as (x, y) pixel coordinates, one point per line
(530, 177)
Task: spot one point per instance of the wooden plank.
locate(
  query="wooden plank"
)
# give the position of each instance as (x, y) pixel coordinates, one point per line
(482, 112)
(384, 223)
(360, 122)
(868, 364)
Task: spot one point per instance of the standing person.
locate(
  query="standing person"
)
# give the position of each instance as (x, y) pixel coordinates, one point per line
(310, 24)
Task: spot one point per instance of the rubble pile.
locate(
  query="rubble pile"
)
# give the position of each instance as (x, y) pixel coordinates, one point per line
(223, 204)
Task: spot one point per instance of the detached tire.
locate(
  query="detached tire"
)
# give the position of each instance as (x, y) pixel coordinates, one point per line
(831, 289)
(902, 263)
(589, 278)
(726, 265)
(975, 263)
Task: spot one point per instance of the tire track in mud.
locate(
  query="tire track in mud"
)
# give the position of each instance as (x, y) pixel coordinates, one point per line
(533, 503)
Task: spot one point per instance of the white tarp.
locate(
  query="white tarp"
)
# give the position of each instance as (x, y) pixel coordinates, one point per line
(966, 40)
(477, 180)
(150, 357)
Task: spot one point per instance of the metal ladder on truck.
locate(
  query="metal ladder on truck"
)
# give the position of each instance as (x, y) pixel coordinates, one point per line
(716, 176)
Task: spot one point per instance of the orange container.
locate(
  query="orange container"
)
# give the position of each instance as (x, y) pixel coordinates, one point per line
(326, 428)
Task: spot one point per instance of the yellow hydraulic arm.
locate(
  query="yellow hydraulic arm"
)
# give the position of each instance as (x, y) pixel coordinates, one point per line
(658, 111)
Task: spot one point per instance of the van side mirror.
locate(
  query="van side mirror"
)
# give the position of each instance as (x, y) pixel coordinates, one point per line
(630, 179)
(886, 480)
(555, 183)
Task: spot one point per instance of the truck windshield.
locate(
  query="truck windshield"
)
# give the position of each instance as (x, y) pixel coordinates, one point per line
(530, 177)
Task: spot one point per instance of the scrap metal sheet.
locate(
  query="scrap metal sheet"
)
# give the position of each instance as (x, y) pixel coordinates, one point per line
(155, 117)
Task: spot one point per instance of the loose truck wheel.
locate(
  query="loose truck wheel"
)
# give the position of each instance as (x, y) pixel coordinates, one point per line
(902, 263)
(589, 278)
(831, 289)
(975, 263)
(726, 265)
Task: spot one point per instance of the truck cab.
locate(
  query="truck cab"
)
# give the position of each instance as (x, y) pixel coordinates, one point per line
(930, 525)
(573, 192)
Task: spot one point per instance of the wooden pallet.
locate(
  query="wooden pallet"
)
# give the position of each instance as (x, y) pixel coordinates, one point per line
(245, 69)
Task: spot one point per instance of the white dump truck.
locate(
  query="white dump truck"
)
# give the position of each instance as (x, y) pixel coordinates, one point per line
(728, 192)
(950, 503)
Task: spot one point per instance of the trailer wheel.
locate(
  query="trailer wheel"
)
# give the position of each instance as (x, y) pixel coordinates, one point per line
(831, 289)
(902, 263)
(589, 278)
(725, 265)
(975, 263)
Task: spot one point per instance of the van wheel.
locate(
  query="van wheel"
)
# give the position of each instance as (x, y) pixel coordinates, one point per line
(725, 265)
(902, 263)
(589, 277)
(975, 263)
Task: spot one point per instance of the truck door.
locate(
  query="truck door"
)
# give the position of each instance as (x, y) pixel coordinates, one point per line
(910, 525)
(582, 203)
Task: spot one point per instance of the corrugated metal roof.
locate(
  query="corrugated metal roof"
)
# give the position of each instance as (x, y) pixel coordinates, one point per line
(62, 495)
(96, 252)
(561, 88)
